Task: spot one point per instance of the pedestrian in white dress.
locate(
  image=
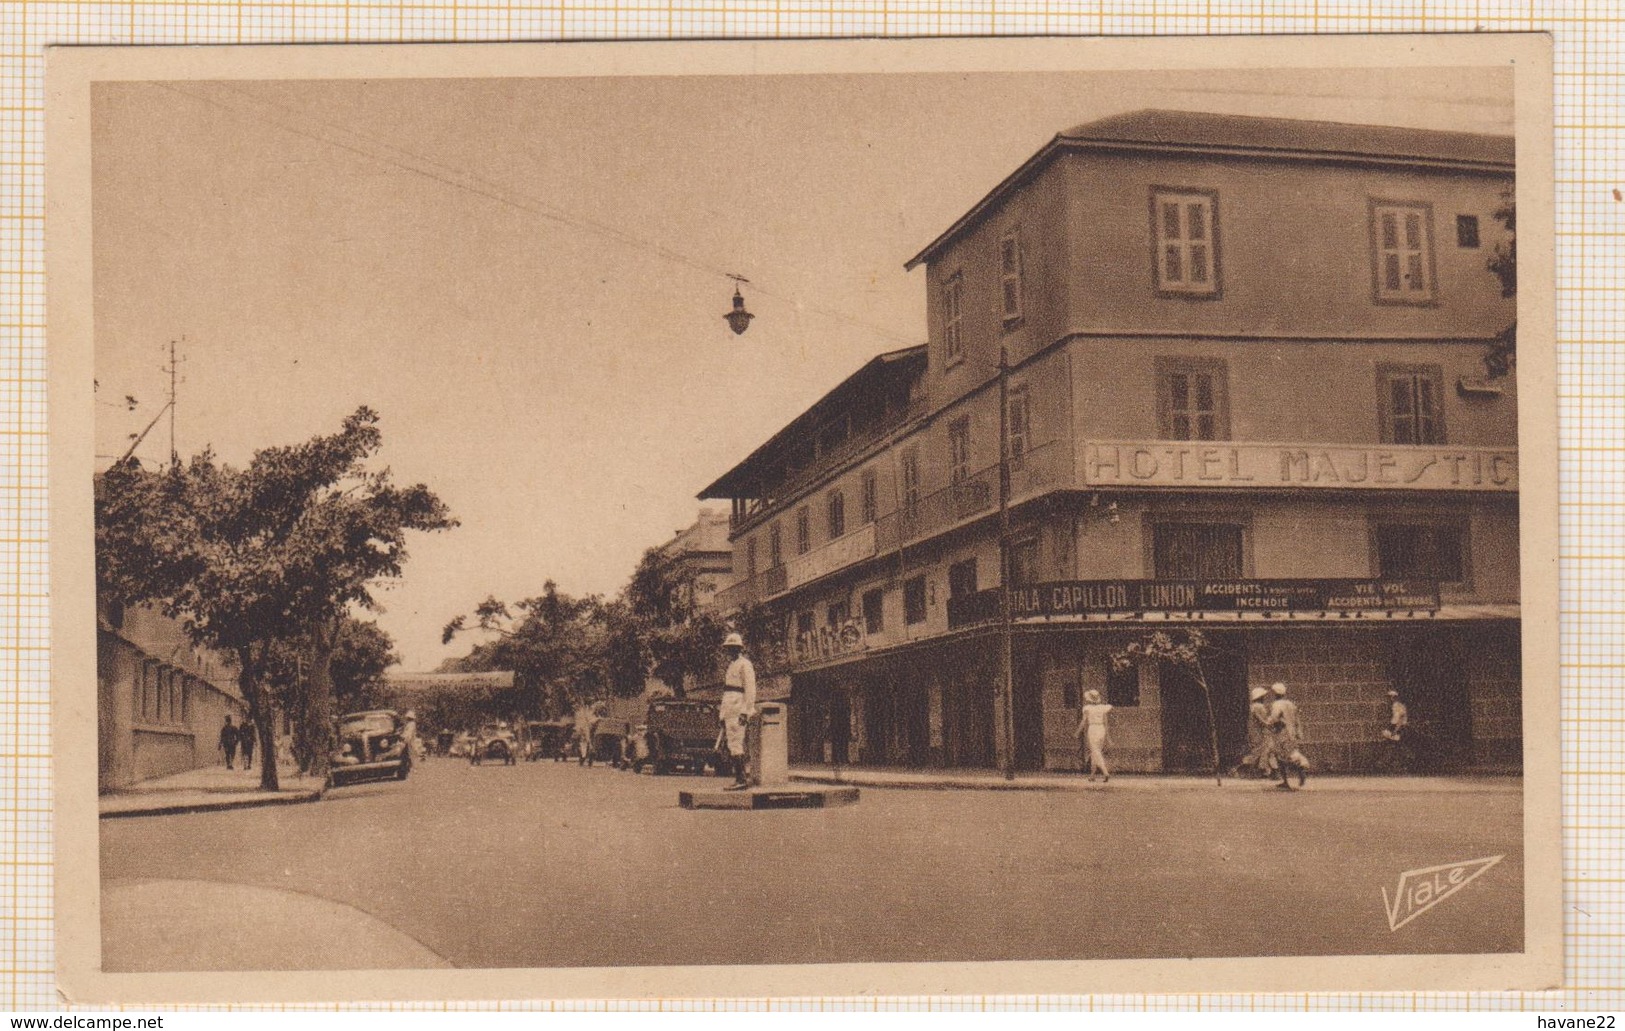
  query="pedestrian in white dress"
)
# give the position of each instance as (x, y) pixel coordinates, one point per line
(1092, 730)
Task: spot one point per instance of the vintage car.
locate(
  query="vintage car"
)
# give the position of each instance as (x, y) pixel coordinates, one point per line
(547, 739)
(494, 742)
(679, 733)
(462, 745)
(372, 745)
(609, 740)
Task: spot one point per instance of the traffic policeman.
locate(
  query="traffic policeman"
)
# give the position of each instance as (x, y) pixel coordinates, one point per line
(738, 705)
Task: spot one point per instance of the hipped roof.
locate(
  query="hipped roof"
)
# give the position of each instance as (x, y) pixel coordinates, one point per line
(1249, 136)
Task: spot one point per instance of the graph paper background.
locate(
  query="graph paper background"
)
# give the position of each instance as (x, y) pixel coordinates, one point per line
(1590, 95)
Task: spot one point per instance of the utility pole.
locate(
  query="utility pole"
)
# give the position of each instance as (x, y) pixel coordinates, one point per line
(1006, 673)
(174, 454)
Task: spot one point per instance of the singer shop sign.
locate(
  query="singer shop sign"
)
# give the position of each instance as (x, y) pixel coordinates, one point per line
(1079, 598)
(1163, 463)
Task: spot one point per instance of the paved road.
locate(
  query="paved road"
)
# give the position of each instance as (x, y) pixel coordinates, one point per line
(556, 865)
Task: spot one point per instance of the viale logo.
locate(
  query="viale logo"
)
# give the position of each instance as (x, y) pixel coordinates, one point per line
(1421, 890)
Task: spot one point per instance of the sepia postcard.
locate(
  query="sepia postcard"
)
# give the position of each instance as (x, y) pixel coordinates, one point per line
(742, 519)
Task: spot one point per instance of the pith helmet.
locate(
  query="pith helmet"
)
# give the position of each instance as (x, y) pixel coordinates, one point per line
(1278, 687)
(1092, 696)
(1256, 693)
(1392, 693)
(733, 641)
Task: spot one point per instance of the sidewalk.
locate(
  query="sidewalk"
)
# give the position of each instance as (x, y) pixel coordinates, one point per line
(205, 789)
(992, 780)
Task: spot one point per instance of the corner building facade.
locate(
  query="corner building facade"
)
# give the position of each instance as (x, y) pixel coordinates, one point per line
(1246, 392)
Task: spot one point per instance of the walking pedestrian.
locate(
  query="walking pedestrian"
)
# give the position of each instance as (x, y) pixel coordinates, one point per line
(1092, 729)
(228, 743)
(1260, 756)
(586, 727)
(738, 705)
(1396, 747)
(245, 739)
(1287, 734)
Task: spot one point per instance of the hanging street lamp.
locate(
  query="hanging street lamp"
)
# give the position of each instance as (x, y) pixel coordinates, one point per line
(739, 318)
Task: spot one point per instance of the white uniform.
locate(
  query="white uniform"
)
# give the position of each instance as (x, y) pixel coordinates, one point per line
(738, 702)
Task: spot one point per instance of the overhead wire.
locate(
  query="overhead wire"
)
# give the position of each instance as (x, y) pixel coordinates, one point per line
(383, 151)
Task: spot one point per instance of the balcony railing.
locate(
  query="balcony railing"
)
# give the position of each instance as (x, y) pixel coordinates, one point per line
(1036, 471)
(797, 483)
(1033, 472)
(751, 590)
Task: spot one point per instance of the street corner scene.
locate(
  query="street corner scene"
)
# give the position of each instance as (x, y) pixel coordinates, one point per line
(689, 520)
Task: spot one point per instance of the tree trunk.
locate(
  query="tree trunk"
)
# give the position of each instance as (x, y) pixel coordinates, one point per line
(319, 700)
(1212, 725)
(260, 712)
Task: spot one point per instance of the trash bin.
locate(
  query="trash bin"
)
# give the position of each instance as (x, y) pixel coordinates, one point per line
(770, 744)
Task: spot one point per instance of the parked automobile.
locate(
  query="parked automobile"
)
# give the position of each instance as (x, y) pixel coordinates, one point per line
(372, 745)
(495, 742)
(547, 739)
(680, 734)
(609, 741)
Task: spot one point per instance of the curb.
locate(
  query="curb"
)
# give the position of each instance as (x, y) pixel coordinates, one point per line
(1133, 784)
(287, 798)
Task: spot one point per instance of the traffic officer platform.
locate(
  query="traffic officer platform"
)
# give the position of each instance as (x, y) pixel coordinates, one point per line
(758, 797)
(767, 745)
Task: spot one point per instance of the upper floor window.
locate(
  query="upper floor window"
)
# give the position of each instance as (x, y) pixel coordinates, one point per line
(874, 611)
(1024, 562)
(1192, 399)
(837, 514)
(1402, 251)
(1410, 398)
(953, 327)
(1184, 226)
(1196, 551)
(804, 623)
(750, 559)
(868, 497)
(959, 449)
(1467, 231)
(1423, 550)
(775, 546)
(962, 578)
(839, 613)
(914, 600)
(803, 530)
(1019, 424)
(911, 481)
(1010, 276)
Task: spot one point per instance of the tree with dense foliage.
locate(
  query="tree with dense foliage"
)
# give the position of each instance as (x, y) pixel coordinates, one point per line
(1502, 356)
(553, 643)
(660, 629)
(251, 560)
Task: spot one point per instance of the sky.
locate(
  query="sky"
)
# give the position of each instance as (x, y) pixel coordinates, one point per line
(526, 278)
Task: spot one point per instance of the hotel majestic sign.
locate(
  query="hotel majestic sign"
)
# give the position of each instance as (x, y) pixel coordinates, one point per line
(1074, 598)
(1165, 463)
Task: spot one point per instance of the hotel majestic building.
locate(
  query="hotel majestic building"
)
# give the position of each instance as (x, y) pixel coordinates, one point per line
(1246, 393)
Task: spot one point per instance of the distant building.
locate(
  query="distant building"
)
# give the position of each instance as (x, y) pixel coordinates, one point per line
(1246, 393)
(160, 701)
(704, 549)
